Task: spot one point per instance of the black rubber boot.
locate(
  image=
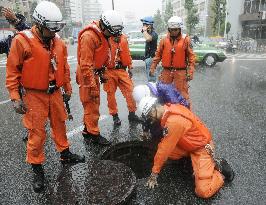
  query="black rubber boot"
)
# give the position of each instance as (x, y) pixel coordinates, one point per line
(117, 121)
(225, 169)
(132, 117)
(38, 177)
(25, 138)
(69, 158)
(96, 139)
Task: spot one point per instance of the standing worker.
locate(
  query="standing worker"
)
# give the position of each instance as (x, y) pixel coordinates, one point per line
(119, 75)
(184, 135)
(36, 68)
(151, 38)
(93, 57)
(178, 58)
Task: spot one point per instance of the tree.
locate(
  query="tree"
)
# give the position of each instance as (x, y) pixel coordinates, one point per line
(168, 12)
(192, 15)
(158, 22)
(218, 17)
(228, 27)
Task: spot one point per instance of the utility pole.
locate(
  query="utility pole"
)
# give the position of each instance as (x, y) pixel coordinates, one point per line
(206, 17)
(113, 5)
(225, 22)
(260, 17)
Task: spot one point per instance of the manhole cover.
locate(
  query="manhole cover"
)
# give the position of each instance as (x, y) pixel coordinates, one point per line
(137, 155)
(98, 182)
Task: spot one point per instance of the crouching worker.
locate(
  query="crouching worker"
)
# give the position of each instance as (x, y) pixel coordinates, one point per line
(165, 93)
(38, 62)
(184, 135)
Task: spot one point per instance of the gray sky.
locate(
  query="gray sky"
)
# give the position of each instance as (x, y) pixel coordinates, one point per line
(139, 7)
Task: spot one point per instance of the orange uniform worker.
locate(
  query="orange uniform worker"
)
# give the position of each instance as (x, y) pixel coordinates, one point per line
(37, 63)
(178, 58)
(185, 135)
(93, 57)
(118, 77)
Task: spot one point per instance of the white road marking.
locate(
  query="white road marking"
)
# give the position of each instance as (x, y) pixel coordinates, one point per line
(246, 59)
(80, 128)
(4, 102)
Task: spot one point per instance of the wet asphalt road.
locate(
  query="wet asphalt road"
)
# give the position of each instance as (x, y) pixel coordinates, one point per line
(230, 98)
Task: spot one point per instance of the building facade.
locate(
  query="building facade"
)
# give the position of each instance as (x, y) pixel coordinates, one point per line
(92, 10)
(203, 6)
(253, 19)
(234, 9)
(76, 11)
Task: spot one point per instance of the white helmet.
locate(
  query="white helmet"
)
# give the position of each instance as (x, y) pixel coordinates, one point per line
(175, 22)
(112, 21)
(48, 15)
(141, 91)
(146, 104)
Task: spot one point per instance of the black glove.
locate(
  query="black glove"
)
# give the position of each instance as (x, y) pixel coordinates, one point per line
(130, 73)
(66, 97)
(19, 107)
(151, 74)
(103, 79)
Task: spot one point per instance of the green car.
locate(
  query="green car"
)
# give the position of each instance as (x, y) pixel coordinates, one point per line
(205, 55)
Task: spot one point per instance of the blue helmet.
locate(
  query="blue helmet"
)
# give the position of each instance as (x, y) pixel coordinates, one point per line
(147, 20)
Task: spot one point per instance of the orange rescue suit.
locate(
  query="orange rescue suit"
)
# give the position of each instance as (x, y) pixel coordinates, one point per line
(93, 53)
(185, 135)
(169, 59)
(101, 53)
(194, 138)
(35, 76)
(118, 77)
(178, 60)
(119, 51)
(29, 63)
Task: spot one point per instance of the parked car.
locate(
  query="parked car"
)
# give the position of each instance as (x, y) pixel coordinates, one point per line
(135, 37)
(205, 55)
(5, 32)
(219, 42)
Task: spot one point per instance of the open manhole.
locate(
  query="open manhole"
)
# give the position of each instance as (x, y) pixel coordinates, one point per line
(137, 155)
(96, 182)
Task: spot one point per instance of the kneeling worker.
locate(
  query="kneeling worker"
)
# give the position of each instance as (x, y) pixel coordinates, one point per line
(185, 135)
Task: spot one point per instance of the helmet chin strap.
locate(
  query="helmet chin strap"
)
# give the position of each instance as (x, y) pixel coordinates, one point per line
(46, 40)
(103, 29)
